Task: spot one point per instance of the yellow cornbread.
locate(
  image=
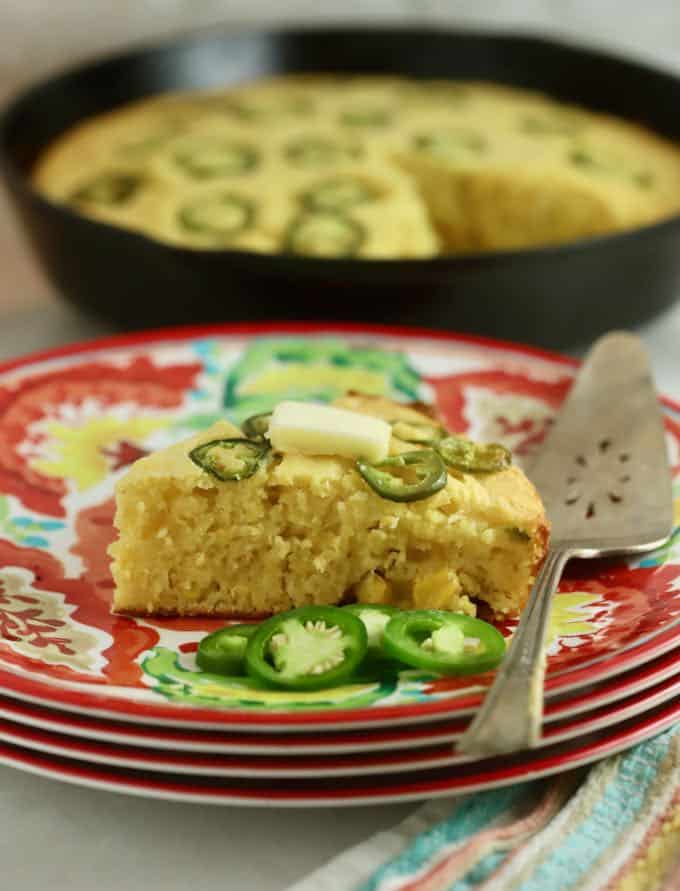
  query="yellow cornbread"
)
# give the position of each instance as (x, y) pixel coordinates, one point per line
(437, 166)
(308, 530)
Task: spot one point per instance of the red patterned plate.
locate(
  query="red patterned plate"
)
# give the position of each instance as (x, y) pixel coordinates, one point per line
(73, 420)
(222, 743)
(434, 748)
(387, 788)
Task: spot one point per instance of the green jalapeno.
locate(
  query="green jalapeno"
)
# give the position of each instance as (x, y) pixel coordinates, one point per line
(410, 476)
(230, 460)
(417, 431)
(215, 159)
(366, 117)
(586, 160)
(256, 426)
(317, 152)
(141, 146)
(324, 235)
(297, 106)
(549, 126)
(220, 216)
(224, 651)
(443, 642)
(338, 194)
(109, 189)
(374, 618)
(473, 457)
(310, 648)
(448, 143)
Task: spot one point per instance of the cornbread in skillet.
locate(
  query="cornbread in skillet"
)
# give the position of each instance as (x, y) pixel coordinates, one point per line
(372, 167)
(307, 529)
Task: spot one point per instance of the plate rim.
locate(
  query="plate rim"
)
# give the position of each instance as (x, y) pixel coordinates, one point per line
(393, 737)
(427, 756)
(145, 786)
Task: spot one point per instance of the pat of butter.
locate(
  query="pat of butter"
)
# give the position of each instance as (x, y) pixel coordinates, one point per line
(323, 430)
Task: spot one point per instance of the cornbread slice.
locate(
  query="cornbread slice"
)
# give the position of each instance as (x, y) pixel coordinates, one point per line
(308, 530)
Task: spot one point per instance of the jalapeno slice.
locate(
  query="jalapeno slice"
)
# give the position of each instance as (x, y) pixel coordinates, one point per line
(324, 235)
(230, 460)
(217, 159)
(374, 619)
(224, 651)
(109, 189)
(589, 162)
(448, 143)
(313, 151)
(220, 216)
(473, 457)
(446, 643)
(558, 125)
(366, 117)
(419, 432)
(256, 426)
(261, 112)
(410, 476)
(338, 194)
(310, 648)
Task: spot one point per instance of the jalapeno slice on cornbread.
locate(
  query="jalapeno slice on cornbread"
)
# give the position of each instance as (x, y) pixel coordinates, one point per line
(109, 189)
(219, 216)
(216, 159)
(324, 234)
(339, 194)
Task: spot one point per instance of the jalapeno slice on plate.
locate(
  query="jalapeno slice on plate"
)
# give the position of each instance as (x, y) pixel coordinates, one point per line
(256, 426)
(109, 189)
(310, 648)
(224, 651)
(311, 151)
(338, 194)
(215, 159)
(374, 619)
(446, 643)
(220, 216)
(473, 457)
(324, 235)
(230, 460)
(406, 477)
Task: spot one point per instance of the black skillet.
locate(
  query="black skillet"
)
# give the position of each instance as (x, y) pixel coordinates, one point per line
(553, 296)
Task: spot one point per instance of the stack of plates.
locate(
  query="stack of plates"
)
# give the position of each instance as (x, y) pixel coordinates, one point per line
(118, 702)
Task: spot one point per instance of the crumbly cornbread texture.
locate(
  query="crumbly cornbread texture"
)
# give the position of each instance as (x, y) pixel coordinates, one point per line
(373, 167)
(308, 530)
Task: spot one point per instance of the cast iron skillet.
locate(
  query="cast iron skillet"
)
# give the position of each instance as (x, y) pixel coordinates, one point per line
(552, 296)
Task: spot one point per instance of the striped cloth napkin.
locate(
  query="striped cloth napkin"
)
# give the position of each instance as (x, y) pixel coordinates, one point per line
(613, 827)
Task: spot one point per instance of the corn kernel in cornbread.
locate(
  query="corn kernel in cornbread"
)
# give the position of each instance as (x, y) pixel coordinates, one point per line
(307, 529)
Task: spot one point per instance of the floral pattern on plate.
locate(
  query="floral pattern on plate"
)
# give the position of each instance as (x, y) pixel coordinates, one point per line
(72, 424)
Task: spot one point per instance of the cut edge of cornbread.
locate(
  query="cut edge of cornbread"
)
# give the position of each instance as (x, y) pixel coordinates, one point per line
(308, 530)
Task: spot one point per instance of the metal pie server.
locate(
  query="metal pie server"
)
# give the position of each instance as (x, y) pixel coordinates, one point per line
(605, 481)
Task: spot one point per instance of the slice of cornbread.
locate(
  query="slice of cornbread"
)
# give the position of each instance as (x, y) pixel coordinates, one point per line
(308, 530)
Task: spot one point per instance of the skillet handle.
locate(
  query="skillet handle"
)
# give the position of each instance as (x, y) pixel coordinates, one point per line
(510, 717)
